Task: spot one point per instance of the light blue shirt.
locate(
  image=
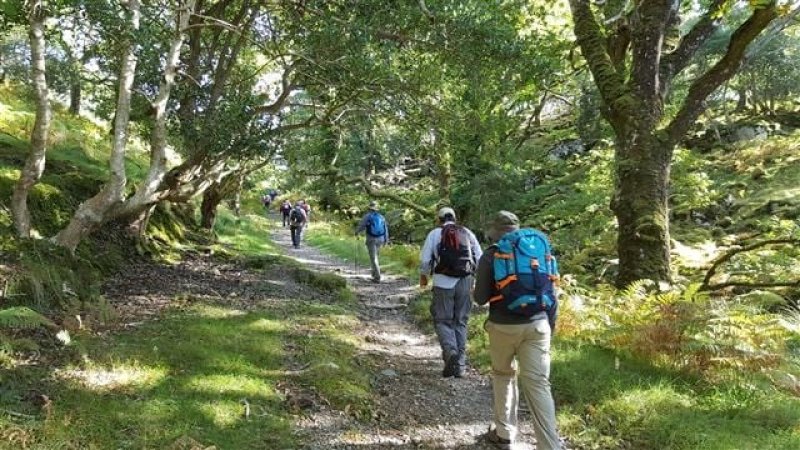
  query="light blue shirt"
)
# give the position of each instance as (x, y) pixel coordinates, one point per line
(430, 253)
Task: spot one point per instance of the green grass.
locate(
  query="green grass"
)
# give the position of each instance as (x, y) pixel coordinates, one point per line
(339, 240)
(185, 377)
(640, 406)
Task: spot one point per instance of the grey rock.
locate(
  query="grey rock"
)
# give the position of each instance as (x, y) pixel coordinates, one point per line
(389, 373)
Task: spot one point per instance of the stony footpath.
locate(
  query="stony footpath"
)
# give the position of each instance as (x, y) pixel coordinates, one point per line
(415, 408)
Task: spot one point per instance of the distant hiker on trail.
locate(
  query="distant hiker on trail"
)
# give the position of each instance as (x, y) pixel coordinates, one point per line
(306, 208)
(286, 208)
(450, 253)
(266, 200)
(272, 194)
(297, 221)
(377, 234)
(521, 265)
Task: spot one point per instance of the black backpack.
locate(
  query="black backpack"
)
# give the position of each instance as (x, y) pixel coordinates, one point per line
(296, 217)
(455, 256)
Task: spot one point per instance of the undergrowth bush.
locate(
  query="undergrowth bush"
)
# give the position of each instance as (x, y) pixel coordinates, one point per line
(683, 328)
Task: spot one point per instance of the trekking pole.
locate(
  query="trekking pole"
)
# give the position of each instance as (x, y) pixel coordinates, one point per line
(355, 256)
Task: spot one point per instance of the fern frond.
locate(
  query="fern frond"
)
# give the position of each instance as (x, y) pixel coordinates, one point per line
(21, 317)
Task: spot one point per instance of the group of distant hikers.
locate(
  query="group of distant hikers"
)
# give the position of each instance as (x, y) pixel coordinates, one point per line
(516, 275)
(295, 216)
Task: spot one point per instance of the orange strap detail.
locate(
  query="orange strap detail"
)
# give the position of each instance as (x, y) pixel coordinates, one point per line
(505, 282)
(496, 298)
(499, 255)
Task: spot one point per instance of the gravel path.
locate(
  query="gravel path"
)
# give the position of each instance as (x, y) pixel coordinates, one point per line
(415, 407)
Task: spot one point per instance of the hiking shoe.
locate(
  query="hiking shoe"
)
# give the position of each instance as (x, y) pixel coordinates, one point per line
(497, 441)
(451, 366)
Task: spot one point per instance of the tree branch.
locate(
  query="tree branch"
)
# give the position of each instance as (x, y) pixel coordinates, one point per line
(776, 27)
(774, 284)
(648, 26)
(610, 83)
(372, 192)
(735, 251)
(673, 63)
(694, 104)
(287, 87)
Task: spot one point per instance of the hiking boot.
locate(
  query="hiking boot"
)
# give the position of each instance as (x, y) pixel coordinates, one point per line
(497, 441)
(451, 366)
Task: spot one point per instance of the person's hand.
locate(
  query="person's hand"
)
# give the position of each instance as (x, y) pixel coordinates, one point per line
(423, 281)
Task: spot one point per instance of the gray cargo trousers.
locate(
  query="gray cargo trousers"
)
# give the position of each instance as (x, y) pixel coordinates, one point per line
(450, 310)
(374, 248)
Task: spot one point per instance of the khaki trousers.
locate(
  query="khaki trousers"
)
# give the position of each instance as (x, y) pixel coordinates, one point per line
(527, 346)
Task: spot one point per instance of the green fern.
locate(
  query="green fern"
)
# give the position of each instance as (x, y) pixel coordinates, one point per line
(20, 317)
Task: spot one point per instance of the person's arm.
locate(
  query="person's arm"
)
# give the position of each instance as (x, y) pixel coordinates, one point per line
(426, 258)
(475, 246)
(484, 280)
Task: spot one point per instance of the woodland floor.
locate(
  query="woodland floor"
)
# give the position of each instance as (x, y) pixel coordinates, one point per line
(414, 406)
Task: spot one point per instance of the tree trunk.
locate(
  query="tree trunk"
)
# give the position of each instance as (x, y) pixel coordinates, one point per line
(741, 102)
(75, 94)
(93, 212)
(640, 205)
(34, 165)
(145, 194)
(237, 195)
(208, 208)
(445, 171)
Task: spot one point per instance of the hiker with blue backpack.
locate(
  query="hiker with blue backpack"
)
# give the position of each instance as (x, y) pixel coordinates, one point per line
(374, 226)
(450, 254)
(516, 276)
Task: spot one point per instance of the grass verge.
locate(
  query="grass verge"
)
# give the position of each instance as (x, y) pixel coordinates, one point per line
(199, 376)
(339, 240)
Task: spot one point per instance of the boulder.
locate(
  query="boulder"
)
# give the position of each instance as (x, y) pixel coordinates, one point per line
(567, 148)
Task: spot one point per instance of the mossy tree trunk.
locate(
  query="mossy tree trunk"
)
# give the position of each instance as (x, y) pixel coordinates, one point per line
(632, 69)
(640, 205)
(34, 164)
(212, 197)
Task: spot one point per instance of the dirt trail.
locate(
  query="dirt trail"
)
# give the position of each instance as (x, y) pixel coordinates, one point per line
(416, 407)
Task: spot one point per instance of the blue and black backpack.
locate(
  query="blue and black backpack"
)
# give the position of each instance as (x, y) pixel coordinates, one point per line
(525, 272)
(376, 225)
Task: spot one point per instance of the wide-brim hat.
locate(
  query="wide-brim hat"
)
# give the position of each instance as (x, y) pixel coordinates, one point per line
(373, 205)
(503, 222)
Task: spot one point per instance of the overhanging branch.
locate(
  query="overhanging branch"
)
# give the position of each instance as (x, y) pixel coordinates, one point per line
(675, 62)
(694, 104)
